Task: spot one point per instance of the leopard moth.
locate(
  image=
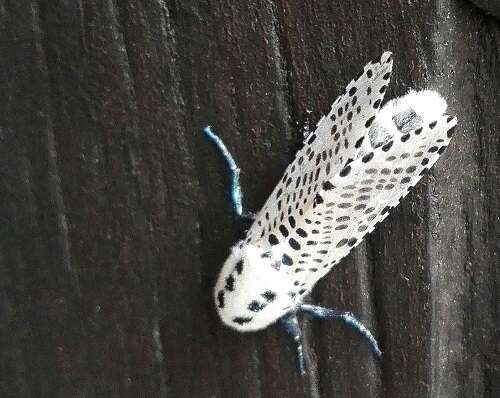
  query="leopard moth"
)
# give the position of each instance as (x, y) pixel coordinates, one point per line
(358, 164)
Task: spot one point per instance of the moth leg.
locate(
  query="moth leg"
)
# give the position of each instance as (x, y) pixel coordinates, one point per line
(236, 193)
(291, 324)
(327, 313)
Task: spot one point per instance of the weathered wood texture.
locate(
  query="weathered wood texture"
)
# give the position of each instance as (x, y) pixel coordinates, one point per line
(114, 223)
(490, 6)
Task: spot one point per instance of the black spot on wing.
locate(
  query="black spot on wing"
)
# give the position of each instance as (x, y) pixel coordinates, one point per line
(318, 199)
(345, 171)
(301, 232)
(341, 243)
(387, 146)
(294, 244)
(359, 142)
(283, 230)
(351, 242)
(367, 157)
(286, 259)
(369, 121)
(327, 185)
(273, 240)
(311, 139)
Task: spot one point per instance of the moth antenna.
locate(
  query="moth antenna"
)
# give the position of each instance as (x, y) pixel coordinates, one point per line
(236, 193)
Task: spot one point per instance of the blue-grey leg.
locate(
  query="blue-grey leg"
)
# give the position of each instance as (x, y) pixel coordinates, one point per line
(327, 313)
(235, 172)
(291, 325)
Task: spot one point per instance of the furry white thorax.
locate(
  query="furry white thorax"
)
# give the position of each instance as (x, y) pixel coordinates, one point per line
(252, 290)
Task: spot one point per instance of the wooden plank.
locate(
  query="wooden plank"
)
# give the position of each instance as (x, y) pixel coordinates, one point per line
(490, 6)
(40, 320)
(115, 221)
(462, 257)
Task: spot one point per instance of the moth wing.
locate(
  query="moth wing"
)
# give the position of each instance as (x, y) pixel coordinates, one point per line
(362, 194)
(337, 139)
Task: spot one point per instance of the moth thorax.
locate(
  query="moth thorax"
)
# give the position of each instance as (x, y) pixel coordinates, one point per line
(250, 292)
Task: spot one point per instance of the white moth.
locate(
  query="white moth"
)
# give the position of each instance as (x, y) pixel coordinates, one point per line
(356, 166)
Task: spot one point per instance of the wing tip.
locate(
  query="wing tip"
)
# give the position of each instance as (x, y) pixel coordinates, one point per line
(451, 124)
(386, 57)
(452, 120)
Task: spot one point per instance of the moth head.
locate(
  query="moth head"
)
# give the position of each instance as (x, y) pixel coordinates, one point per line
(251, 293)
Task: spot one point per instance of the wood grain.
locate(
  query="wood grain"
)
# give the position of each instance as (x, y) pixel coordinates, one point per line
(114, 218)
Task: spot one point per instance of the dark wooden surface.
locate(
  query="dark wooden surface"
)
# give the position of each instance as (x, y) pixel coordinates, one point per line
(114, 223)
(490, 6)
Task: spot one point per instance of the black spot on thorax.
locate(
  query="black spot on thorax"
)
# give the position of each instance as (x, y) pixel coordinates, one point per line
(239, 267)
(220, 298)
(269, 296)
(229, 283)
(241, 320)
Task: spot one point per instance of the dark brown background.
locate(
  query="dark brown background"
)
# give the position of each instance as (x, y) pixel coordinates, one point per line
(114, 223)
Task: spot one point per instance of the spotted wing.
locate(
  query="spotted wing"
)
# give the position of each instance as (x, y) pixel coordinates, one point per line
(337, 139)
(361, 195)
